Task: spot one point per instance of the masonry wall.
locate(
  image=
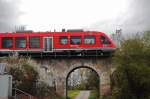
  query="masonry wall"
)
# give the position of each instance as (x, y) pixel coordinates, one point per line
(60, 67)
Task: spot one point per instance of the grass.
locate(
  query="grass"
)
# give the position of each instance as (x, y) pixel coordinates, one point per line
(93, 95)
(73, 93)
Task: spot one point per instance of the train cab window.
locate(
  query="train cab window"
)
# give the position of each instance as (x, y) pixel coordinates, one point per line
(89, 40)
(75, 40)
(104, 40)
(20, 42)
(34, 42)
(63, 40)
(7, 42)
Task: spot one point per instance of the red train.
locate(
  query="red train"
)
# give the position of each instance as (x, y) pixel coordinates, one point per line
(53, 43)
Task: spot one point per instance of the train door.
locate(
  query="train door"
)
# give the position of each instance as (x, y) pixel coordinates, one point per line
(48, 44)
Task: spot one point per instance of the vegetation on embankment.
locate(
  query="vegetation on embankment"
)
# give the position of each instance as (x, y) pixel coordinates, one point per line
(73, 93)
(131, 79)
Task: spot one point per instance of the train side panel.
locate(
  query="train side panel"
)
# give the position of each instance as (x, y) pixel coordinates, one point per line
(61, 41)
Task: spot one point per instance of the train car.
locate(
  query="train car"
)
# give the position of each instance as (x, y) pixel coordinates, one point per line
(56, 43)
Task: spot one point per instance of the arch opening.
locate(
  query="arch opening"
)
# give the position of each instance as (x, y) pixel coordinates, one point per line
(83, 78)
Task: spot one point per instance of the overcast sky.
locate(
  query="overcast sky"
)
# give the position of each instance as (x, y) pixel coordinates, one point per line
(100, 15)
(58, 14)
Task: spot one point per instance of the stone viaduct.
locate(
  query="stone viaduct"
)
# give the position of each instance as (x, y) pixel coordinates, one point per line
(64, 66)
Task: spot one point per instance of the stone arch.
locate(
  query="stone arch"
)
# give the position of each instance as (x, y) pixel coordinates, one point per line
(76, 66)
(63, 66)
(80, 65)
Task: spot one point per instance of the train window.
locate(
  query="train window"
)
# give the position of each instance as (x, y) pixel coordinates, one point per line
(75, 39)
(20, 42)
(89, 40)
(7, 42)
(63, 40)
(104, 40)
(34, 42)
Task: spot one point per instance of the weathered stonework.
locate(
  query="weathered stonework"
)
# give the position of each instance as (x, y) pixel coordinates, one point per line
(63, 66)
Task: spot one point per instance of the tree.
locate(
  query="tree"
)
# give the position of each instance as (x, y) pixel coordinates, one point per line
(131, 79)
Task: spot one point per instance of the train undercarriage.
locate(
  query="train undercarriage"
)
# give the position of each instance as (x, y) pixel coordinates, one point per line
(66, 53)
